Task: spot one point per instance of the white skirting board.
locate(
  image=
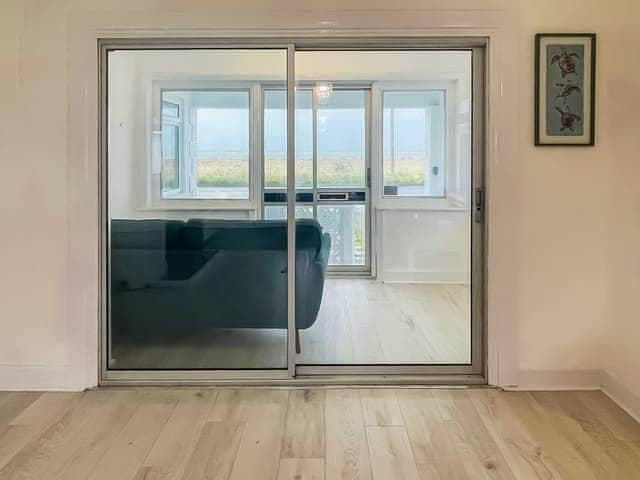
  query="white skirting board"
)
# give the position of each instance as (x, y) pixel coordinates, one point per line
(39, 378)
(620, 394)
(429, 277)
(590, 379)
(558, 380)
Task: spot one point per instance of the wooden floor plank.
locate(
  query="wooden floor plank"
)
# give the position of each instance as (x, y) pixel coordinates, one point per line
(542, 428)
(49, 454)
(304, 428)
(133, 443)
(279, 433)
(301, 469)
(360, 321)
(34, 420)
(433, 439)
(14, 404)
(391, 456)
(443, 471)
(238, 404)
(381, 407)
(621, 424)
(587, 436)
(177, 439)
(478, 450)
(259, 452)
(123, 405)
(215, 451)
(625, 454)
(524, 455)
(346, 451)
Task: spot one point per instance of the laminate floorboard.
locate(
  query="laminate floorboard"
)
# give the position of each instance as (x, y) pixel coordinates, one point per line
(316, 433)
(361, 321)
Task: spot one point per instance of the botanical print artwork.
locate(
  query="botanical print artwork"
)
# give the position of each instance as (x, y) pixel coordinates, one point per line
(565, 90)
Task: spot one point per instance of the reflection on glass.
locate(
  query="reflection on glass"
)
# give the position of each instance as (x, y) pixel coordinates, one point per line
(417, 310)
(203, 287)
(341, 139)
(275, 139)
(170, 157)
(217, 148)
(413, 143)
(221, 143)
(170, 109)
(279, 212)
(346, 225)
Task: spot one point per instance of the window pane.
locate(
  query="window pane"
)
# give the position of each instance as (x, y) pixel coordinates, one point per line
(275, 139)
(341, 139)
(413, 143)
(170, 158)
(221, 144)
(193, 284)
(346, 225)
(279, 212)
(170, 109)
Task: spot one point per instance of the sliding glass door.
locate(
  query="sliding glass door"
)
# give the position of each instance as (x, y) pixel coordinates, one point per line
(296, 208)
(401, 122)
(195, 280)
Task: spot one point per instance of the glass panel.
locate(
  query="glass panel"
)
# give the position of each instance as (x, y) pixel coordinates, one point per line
(170, 109)
(170, 158)
(217, 133)
(279, 212)
(221, 128)
(194, 283)
(346, 225)
(341, 138)
(275, 139)
(417, 310)
(413, 143)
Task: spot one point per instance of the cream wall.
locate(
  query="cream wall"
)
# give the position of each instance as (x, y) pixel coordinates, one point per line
(573, 213)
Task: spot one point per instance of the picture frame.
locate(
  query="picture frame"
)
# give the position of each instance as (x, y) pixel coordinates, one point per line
(565, 81)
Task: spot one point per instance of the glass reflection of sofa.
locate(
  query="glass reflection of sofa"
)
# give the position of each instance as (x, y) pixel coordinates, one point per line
(182, 278)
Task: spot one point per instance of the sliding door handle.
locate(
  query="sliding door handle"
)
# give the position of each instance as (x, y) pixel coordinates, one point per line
(478, 206)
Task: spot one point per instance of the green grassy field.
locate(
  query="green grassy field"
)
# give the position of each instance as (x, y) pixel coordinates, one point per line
(331, 172)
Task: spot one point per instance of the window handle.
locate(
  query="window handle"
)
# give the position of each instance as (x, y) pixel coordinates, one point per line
(341, 196)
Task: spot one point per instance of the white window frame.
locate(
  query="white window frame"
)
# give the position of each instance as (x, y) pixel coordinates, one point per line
(152, 178)
(174, 122)
(445, 202)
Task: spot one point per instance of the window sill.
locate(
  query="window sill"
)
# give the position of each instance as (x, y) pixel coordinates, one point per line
(422, 204)
(200, 205)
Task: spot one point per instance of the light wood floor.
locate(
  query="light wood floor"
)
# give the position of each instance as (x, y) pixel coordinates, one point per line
(361, 321)
(366, 321)
(302, 434)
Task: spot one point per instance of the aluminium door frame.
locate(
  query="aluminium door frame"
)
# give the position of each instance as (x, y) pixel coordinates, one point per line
(423, 374)
(477, 365)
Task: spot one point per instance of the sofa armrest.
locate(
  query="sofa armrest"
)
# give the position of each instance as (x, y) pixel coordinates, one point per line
(325, 250)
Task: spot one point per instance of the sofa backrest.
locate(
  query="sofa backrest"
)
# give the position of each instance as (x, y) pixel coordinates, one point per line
(146, 234)
(144, 251)
(250, 234)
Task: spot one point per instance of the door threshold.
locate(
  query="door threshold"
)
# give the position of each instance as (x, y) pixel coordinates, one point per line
(348, 274)
(170, 379)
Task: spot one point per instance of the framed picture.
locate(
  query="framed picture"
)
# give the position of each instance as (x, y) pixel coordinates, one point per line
(565, 89)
